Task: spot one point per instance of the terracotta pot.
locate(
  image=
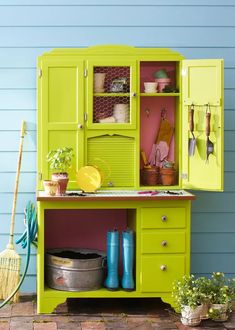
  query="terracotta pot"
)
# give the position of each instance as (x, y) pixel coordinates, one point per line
(62, 180)
(168, 176)
(50, 187)
(162, 83)
(150, 176)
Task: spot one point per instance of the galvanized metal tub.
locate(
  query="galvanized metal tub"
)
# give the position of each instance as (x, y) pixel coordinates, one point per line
(83, 270)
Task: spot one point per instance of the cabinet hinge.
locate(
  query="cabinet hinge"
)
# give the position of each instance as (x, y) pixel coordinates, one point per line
(85, 116)
(39, 73)
(184, 176)
(40, 176)
(85, 73)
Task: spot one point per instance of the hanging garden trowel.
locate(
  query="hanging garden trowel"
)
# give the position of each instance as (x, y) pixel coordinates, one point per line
(192, 141)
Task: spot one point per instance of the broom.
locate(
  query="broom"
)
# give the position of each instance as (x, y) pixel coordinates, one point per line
(9, 259)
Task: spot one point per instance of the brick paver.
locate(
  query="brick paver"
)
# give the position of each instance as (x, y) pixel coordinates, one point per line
(5, 311)
(100, 315)
(44, 326)
(93, 325)
(24, 308)
(4, 325)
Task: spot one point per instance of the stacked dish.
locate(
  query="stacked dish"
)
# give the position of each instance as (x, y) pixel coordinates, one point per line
(150, 87)
(121, 112)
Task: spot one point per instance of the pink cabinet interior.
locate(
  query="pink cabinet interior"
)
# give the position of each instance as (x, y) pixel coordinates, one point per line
(154, 107)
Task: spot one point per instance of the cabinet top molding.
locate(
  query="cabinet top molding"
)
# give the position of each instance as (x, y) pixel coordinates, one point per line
(117, 49)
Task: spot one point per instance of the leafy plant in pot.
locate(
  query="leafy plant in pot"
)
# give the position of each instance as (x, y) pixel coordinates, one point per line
(189, 300)
(222, 294)
(60, 160)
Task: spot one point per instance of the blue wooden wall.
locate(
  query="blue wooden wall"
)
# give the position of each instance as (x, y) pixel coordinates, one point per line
(196, 28)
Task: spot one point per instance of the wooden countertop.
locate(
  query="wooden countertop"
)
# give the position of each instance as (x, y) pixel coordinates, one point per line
(118, 195)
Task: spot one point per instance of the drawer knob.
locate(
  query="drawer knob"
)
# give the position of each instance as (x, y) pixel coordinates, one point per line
(164, 243)
(164, 218)
(163, 267)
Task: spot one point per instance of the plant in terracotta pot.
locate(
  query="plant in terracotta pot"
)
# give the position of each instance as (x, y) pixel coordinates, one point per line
(189, 300)
(168, 173)
(60, 160)
(162, 79)
(222, 294)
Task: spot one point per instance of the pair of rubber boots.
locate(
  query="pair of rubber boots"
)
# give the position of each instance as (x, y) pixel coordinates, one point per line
(112, 280)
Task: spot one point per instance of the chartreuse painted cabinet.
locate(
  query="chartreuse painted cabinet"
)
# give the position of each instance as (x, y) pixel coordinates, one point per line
(95, 100)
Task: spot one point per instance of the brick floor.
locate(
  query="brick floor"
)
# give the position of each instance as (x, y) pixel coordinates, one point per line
(101, 314)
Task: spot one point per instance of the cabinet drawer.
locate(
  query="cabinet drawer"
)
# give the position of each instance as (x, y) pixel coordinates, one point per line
(158, 272)
(163, 242)
(152, 217)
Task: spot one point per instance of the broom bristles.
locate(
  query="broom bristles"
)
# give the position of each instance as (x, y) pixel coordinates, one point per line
(9, 273)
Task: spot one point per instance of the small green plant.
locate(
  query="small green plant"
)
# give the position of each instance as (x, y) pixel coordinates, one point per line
(222, 289)
(60, 160)
(186, 293)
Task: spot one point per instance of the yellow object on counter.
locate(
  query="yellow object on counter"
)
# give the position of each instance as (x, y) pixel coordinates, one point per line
(89, 179)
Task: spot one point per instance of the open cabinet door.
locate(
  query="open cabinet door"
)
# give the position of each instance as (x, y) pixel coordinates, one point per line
(202, 89)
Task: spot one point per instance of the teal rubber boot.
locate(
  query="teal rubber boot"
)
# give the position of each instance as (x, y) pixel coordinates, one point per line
(128, 260)
(111, 282)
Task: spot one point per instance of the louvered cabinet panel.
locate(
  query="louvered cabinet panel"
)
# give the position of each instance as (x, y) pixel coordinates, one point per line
(115, 157)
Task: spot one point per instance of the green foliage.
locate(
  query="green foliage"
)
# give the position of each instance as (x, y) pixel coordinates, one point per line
(185, 292)
(193, 291)
(60, 160)
(222, 289)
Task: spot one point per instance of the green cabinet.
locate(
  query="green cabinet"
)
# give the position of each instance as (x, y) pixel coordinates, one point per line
(97, 100)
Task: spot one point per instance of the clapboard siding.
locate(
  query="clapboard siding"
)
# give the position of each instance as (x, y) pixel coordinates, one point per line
(27, 182)
(196, 28)
(9, 161)
(154, 36)
(213, 222)
(208, 262)
(150, 16)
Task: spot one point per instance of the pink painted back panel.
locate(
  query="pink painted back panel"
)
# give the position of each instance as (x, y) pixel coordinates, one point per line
(81, 228)
(150, 117)
(147, 70)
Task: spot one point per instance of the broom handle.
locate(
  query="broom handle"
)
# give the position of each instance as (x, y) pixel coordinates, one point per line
(10, 244)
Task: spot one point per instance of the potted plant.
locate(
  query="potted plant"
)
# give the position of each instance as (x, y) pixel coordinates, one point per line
(188, 300)
(222, 293)
(168, 173)
(60, 160)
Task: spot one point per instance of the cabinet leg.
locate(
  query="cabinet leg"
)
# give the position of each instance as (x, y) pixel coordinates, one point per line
(168, 300)
(47, 305)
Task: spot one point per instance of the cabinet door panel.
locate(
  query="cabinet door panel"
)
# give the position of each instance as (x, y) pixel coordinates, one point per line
(203, 87)
(163, 242)
(60, 110)
(111, 90)
(158, 272)
(161, 217)
(63, 95)
(115, 157)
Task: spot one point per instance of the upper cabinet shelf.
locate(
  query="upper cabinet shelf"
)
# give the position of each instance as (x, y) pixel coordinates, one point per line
(111, 94)
(159, 94)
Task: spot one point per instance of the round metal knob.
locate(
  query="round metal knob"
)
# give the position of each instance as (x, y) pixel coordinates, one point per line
(163, 267)
(164, 243)
(164, 218)
(133, 94)
(110, 184)
(80, 126)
